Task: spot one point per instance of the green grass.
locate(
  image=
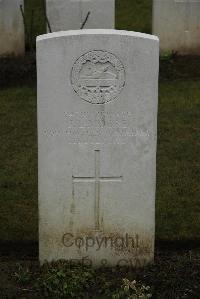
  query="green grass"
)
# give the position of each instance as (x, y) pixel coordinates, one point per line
(174, 275)
(135, 15)
(18, 166)
(177, 200)
(178, 207)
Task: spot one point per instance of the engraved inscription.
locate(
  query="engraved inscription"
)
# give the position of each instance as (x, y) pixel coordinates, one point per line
(97, 180)
(100, 128)
(98, 77)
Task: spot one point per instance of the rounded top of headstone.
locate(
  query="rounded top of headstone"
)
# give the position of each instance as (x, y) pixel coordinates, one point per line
(97, 32)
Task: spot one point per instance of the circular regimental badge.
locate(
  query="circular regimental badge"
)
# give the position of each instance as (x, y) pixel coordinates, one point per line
(98, 77)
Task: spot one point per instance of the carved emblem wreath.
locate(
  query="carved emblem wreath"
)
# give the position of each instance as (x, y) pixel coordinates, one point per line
(98, 77)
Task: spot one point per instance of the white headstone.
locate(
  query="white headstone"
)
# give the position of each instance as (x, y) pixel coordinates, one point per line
(177, 24)
(97, 119)
(70, 14)
(11, 27)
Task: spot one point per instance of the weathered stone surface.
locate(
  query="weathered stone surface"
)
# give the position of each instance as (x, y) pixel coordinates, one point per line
(70, 14)
(11, 27)
(97, 119)
(177, 24)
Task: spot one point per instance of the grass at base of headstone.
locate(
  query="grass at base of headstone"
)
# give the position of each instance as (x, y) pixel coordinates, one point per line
(177, 198)
(173, 275)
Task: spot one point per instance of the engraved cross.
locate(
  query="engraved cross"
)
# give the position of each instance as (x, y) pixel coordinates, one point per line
(97, 179)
